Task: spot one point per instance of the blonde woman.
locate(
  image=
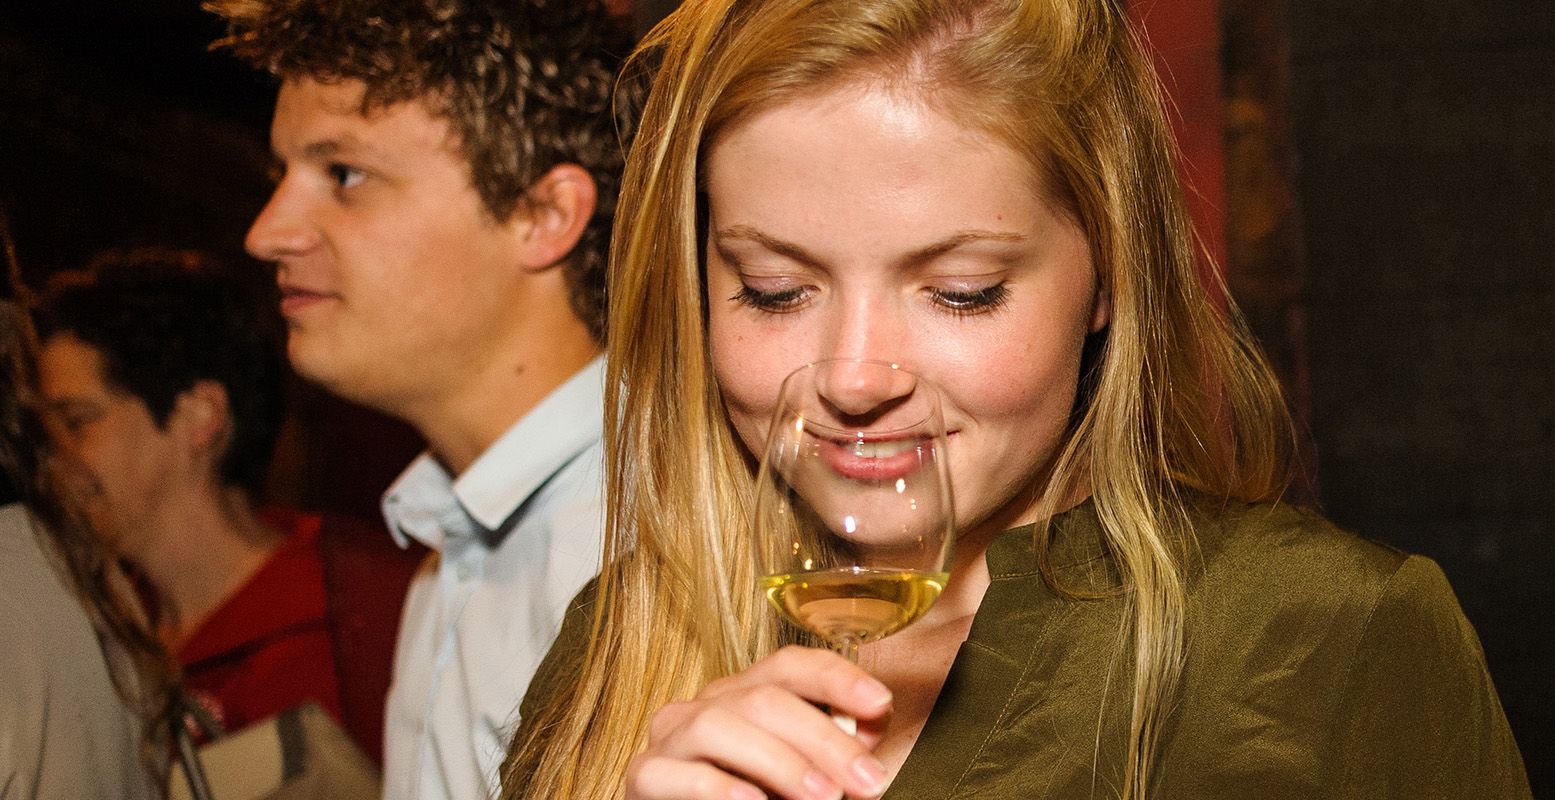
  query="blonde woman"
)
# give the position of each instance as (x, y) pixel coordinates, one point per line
(982, 191)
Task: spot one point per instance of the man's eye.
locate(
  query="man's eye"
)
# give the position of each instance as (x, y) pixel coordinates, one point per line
(965, 302)
(74, 423)
(779, 301)
(345, 176)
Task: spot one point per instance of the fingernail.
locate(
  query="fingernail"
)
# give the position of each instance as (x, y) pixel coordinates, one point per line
(871, 773)
(874, 693)
(820, 787)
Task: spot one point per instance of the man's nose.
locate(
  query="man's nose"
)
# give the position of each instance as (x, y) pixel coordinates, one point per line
(282, 228)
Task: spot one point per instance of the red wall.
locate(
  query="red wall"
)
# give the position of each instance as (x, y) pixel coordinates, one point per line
(1185, 35)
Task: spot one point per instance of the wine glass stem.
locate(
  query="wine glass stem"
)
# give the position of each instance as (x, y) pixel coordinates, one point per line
(847, 647)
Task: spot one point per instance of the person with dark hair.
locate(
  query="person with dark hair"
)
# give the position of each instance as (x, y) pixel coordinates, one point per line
(447, 179)
(165, 327)
(165, 379)
(85, 690)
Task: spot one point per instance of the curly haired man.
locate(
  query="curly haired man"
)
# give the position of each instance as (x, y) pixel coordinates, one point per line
(447, 171)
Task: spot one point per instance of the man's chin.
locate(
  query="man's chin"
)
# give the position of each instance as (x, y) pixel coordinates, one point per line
(317, 364)
(341, 377)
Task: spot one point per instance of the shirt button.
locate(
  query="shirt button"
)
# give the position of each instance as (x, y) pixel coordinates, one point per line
(463, 572)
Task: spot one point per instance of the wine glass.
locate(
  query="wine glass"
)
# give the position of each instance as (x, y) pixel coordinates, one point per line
(853, 524)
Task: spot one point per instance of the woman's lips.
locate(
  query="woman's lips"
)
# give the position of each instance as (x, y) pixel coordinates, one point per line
(874, 460)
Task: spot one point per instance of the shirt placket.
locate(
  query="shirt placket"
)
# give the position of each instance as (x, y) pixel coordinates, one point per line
(461, 559)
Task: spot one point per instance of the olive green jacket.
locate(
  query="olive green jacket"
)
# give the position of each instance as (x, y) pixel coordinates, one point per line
(1318, 665)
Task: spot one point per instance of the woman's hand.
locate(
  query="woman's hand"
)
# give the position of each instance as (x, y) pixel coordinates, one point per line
(760, 731)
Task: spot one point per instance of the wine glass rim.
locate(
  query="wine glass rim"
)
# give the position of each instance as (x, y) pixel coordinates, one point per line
(871, 361)
(859, 434)
(912, 430)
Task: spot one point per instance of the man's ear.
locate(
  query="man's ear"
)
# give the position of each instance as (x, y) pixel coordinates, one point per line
(556, 209)
(202, 416)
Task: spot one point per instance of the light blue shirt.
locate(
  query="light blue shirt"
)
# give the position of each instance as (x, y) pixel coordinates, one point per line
(515, 537)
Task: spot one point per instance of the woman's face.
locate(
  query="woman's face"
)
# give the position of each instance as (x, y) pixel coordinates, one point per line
(865, 224)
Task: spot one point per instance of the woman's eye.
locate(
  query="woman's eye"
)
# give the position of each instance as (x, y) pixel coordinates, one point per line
(345, 176)
(964, 302)
(777, 301)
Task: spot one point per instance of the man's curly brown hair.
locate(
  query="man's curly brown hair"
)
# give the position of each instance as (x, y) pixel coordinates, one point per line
(525, 85)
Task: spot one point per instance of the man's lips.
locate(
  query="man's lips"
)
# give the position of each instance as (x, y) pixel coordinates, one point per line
(295, 299)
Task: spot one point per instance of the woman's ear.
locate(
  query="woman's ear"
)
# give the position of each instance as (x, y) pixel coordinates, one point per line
(1101, 309)
(556, 209)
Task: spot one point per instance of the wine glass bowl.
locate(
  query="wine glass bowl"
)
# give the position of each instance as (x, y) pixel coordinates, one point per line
(853, 522)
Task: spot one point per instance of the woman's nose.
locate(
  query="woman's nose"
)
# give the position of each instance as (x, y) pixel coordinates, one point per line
(855, 388)
(866, 325)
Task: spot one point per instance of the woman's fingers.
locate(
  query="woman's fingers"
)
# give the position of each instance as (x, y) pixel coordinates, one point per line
(819, 676)
(780, 740)
(764, 727)
(656, 778)
(723, 737)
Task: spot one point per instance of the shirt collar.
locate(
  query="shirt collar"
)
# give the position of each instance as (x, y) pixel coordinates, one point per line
(1076, 550)
(426, 503)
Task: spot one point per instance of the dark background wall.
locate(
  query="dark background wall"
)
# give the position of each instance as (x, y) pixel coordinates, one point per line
(120, 129)
(1390, 230)
(1424, 139)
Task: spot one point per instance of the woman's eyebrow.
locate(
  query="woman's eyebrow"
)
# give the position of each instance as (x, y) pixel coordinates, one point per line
(746, 233)
(961, 239)
(926, 253)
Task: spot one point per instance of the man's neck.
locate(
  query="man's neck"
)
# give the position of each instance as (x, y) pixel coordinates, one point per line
(208, 546)
(459, 425)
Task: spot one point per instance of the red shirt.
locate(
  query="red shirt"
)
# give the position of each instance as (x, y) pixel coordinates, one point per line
(268, 647)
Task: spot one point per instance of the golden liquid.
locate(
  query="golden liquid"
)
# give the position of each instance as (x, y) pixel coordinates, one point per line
(863, 604)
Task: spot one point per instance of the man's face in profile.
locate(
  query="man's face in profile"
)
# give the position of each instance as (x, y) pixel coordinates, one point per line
(393, 273)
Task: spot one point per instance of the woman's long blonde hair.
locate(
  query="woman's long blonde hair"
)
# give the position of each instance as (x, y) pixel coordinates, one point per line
(143, 674)
(1177, 399)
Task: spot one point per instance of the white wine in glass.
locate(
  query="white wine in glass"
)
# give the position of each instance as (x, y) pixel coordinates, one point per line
(853, 522)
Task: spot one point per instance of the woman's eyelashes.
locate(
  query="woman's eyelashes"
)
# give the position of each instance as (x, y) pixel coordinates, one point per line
(960, 302)
(966, 302)
(776, 301)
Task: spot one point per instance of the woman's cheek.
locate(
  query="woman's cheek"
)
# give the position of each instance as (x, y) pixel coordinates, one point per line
(745, 398)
